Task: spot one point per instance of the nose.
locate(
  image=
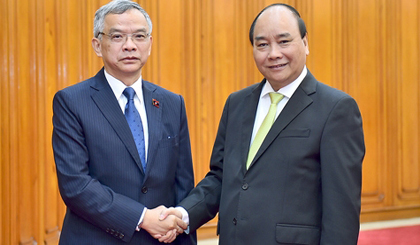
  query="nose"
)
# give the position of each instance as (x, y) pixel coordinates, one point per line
(129, 45)
(275, 52)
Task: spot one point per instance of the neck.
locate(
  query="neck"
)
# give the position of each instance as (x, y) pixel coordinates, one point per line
(127, 78)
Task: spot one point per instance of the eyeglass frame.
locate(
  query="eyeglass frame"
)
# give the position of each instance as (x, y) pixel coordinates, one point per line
(125, 37)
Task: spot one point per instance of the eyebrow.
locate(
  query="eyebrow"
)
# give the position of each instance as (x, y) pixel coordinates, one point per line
(112, 30)
(282, 35)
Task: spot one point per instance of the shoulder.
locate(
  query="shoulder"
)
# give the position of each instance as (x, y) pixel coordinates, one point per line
(163, 98)
(77, 87)
(324, 95)
(159, 90)
(75, 90)
(96, 82)
(318, 90)
(78, 94)
(330, 99)
(327, 90)
(245, 92)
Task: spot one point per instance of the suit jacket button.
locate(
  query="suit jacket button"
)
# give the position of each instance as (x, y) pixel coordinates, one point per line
(121, 236)
(234, 221)
(144, 189)
(245, 186)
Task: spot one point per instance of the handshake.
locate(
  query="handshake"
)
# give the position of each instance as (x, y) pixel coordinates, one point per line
(164, 224)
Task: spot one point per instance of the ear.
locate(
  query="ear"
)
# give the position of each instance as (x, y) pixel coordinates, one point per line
(96, 44)
(306, 44)
(150, 46)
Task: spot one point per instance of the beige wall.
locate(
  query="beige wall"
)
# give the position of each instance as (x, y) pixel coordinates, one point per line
(368, 48)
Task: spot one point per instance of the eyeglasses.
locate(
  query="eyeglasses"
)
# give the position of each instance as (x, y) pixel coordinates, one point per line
(120, 38)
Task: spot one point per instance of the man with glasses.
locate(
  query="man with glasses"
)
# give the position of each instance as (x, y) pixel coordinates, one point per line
(121, 144)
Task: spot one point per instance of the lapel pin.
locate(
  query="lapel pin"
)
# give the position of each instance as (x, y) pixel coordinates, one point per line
(156, 103)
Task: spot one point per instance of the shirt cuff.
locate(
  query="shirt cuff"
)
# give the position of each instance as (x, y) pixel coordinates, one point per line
(141, 219)
(185, 218)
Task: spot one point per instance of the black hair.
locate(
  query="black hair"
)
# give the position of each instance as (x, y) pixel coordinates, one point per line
(301, 23)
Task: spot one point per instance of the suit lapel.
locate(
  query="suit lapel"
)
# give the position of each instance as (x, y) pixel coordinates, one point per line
(153, 102)
(297, 103)
(105, 99)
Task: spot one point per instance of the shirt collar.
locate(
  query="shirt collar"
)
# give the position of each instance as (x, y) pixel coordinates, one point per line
(118, 87)
(287, 90)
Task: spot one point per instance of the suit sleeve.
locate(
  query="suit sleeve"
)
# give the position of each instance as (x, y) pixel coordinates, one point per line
(184, 178)
(342, 151)
(84, 195)
(185, 174)
(203, 202)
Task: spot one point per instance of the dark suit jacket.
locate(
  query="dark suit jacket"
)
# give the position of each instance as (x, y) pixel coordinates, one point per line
(100, 176)
(304, 184)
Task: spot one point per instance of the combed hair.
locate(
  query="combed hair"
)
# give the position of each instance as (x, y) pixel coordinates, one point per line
(116, 7)
(301, 23)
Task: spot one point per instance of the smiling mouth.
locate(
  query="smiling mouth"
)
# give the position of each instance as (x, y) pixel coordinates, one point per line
(278, 66)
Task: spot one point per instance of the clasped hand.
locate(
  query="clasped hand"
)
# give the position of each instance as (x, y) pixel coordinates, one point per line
(164, 224)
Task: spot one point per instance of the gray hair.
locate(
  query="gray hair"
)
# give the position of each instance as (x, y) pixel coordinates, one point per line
(116, 7)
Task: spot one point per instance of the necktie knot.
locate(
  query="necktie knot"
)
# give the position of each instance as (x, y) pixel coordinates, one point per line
(275, 98)
(129, 93)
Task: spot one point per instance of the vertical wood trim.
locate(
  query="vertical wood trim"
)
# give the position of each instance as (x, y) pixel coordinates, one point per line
(13, 159)
(5, 181)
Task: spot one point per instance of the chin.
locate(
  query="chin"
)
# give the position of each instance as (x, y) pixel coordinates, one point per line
(131, 69)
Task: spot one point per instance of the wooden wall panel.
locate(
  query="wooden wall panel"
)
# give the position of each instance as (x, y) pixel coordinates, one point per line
(368, 48)
(409, 101)
(367, 27)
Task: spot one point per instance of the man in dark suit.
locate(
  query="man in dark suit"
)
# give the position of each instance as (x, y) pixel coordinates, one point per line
(302, 185)
(113, 173)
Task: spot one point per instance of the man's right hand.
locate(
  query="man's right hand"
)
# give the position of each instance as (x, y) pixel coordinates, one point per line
(170, 211)
(166, 229)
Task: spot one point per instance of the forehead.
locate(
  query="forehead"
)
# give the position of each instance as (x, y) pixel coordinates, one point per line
(130, 19)
(276, 20)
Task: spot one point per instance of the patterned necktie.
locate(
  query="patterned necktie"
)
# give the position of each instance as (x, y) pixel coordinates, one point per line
(264, 128)
(134, 121)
